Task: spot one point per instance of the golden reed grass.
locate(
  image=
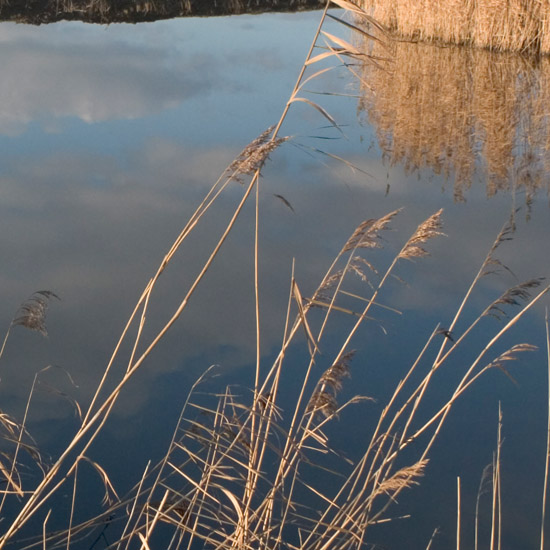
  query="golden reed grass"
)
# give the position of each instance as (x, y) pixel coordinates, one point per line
(503, 25)
(450, 109)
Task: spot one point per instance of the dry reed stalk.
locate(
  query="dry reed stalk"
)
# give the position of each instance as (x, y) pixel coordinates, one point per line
(432, 538)
(511, 26)
(293, 98)
(457, 21)
(232, 502)
(365, 236)
(547, 458)
(360, 507)
(390, 454)
(458, 510)
(499, 478)
(450, 109)
(427, 19)
(353, 518)
(408, 18)
(482, 489)
(474, 371)
(496, 519)
(94, 420)
(383, 12)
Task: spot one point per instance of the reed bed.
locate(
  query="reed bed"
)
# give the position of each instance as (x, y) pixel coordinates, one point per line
(458, 110)
(501, 25)
(240, 471)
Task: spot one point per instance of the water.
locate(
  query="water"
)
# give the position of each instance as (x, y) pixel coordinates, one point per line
(111, 136)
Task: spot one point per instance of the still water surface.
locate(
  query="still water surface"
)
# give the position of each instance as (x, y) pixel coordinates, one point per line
(110, 137)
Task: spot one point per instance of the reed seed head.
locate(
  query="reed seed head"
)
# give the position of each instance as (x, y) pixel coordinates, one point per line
(402, 479)
(32, 312)
(367, 234)
(510, 355)
(255, 153)
(323, 400)
(512, 297)
(424, 232)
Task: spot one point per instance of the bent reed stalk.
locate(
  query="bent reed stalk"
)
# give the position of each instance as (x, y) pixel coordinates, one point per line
(500, 25)
(236, 470)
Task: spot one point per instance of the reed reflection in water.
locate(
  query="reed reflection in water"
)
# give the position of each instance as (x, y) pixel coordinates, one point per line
(457, 110)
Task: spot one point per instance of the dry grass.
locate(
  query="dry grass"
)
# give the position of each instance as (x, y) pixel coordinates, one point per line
(238, 467)
(241, 473)
(502, 25)
(457, 110)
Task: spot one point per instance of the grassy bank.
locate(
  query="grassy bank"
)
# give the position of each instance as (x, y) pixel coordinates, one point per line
(502, 25)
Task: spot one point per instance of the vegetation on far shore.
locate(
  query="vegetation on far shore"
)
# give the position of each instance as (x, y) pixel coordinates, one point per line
(39, 12)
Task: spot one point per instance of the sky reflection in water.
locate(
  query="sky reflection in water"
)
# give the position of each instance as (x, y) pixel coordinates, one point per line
(110, 137)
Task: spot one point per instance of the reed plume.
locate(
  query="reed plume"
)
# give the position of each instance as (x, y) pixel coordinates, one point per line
(31, 315)
(323, 400)
(513, 297)
(32, 312)
(404, 478)
(368, 233)
(253, 156)
(427, 230)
